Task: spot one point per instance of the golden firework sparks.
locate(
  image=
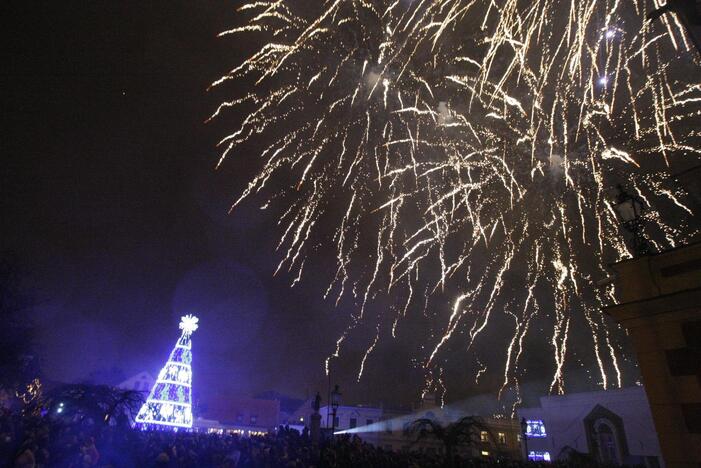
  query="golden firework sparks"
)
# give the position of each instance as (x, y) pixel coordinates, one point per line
(472, 138)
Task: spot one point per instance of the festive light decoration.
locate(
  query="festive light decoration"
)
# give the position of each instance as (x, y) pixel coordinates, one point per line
(32, 397)
(169, 405)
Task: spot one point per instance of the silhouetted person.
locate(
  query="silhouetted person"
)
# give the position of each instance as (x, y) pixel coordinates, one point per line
(317, 403)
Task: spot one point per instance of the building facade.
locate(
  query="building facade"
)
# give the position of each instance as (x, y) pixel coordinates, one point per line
(614, 427)
(385, 428)
(660, 308)
(141, 382)
(350, 418)
(250, 414)
(244, 416)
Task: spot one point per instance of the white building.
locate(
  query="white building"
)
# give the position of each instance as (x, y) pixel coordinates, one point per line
(385, 428)
(611, 426)
(350, 417)
(141, 382)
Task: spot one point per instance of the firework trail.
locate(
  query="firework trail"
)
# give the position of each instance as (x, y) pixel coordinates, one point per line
(463, 152)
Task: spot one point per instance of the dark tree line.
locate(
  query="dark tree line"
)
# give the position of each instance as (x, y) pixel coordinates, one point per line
(95, 404)
(462, 433)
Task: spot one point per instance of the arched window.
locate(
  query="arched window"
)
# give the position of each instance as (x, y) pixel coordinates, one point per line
(606, 438)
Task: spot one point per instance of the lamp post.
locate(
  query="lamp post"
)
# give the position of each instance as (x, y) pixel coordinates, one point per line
(316, 421)
(335, 402)
(328, 398)
(629, 209)
(524, 438)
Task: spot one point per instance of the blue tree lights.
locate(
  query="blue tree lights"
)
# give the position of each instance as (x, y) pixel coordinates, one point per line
(169, 405)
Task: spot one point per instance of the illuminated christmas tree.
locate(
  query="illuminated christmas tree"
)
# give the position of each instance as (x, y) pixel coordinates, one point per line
(169, 405)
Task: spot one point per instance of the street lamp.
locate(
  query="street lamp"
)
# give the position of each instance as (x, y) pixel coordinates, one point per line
(335, 402)
(524, 437)
(629, 209)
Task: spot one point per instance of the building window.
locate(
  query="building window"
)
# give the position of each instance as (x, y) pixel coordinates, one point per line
(239, 418)
(485, 453)
(692, 417)
(484, 436)
(682, 361)
(692, 333)
(368, 421)
(502, 438)
(518, 437)
(606, 441)
(353, 422)
(254, 419)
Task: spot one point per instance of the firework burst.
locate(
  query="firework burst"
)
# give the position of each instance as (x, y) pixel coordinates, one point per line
(463, 151)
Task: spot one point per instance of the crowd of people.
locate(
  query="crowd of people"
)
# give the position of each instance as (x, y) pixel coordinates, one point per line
(32, 442)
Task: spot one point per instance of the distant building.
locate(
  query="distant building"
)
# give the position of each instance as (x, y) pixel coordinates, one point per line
(385, 428)
(244, 414)
(661, 310)
(351, 417)
(141, 382)
(500, 437)
(212, 426)
(612, 426)
(298, 417)
(294, 412)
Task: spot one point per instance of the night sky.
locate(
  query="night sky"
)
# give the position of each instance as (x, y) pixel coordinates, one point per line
(118, 220)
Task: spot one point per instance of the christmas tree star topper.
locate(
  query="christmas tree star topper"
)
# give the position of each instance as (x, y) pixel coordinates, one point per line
(188, 323)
